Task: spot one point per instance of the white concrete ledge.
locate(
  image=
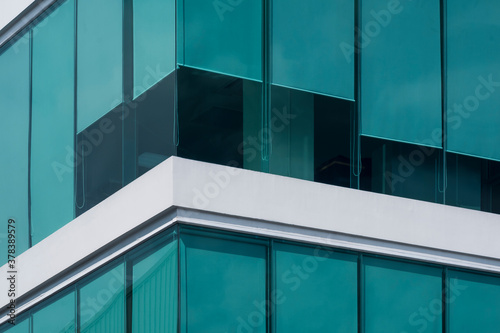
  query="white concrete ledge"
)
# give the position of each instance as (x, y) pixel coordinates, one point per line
(273, 205)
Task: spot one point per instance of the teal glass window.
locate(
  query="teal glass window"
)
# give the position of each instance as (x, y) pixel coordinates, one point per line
(402, 169)
(302, 128)
(401, 71)
(155, 285)
(14, 134)
(154, 42)
(100, 74)
(473, 78)
(219, 118)
(474, 302)
(402, 297)
(102, 302)
(52, 136)
(20, 327)
(223, 284)
(315, 290)
(222, 36)
(58, 316)
(313, 46)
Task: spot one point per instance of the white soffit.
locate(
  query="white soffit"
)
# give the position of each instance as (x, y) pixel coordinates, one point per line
(272, 205)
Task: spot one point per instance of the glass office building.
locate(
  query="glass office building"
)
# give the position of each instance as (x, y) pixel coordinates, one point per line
(251, 166)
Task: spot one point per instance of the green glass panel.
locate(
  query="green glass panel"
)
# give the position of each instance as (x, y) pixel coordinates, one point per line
(58, 317)
(473, 78)
(315, 290)
(474, 302)
(401, 71)
(19, 327)
(305, 46)
(154, 296)
(224, 286)
(402, 297)
(223, 36)
(154, 42)
(99, 59)
(102, 303)
(14, 133)
(52, 136)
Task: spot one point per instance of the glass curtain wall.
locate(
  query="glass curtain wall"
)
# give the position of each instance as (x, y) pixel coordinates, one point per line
(95, 95)
(200, 280)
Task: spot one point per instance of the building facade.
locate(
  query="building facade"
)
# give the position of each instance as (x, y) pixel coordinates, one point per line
(250, 166)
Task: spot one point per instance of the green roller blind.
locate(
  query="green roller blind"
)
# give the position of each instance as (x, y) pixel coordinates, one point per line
(154, 42)
(312, 46)
(473, 81)
(14, 134)
(52, 137)
(401, 71)
(100, 61)
(223, 36)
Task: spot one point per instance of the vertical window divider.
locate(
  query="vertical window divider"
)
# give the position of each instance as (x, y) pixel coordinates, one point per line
(271, 287)
(128, 293)
(444, 300)
(361, 295)
(129, 130)
(30, 226)
(266, 85)
(177, 230)
(356, 109)
(444, 102)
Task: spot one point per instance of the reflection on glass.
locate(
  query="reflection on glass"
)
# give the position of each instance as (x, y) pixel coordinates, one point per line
(401, 71)
(306, 55)
(102, 303)
(309, 136)
(219, 119)
(154, 296)
(58, 317)
(316, 290)
(394, 294)
(401, 169)
(224, 280)
(19, 327)
(52, 134)
(474, 302)
(14, 134)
